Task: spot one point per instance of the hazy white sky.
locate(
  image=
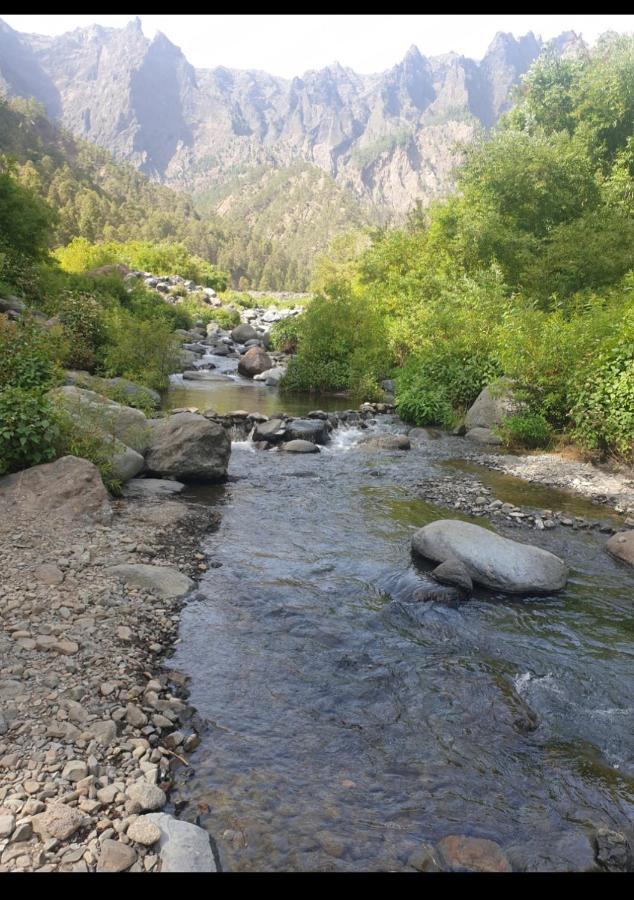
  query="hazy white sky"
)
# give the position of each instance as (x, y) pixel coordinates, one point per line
(289, 45)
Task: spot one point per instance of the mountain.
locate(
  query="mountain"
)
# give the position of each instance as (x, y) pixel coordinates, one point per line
(386, 138)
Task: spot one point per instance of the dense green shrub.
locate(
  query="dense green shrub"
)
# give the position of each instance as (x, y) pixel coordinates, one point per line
(27, 355)
(525, 430)
(421, 400)
(285, 334)
(28, 429)
(143, 351)
(82, 319)
(225, 318)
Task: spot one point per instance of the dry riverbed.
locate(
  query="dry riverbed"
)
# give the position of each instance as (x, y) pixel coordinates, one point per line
(91, 726)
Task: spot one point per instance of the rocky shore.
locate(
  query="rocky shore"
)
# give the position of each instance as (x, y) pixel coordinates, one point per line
(91, 725)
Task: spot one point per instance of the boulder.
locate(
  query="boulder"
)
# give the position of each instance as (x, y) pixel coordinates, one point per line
(385, 442)
(484, 436)
(315, 430)
(123, 386)
(243, 333)
(495, 562)
(492, 405)
(126, 462)
(183, 847)
(454, 573)
(161, 580)
(92, 410)
(188, 447)
(58, 821)
(298, 446)
(621, 546)
(254, 362)
(69, 490)
(272, 431)
(271, 377)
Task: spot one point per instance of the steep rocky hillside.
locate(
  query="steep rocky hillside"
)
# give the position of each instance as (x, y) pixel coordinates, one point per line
(387, 138)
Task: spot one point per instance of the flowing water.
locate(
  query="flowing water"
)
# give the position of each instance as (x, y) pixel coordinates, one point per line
(348, 723)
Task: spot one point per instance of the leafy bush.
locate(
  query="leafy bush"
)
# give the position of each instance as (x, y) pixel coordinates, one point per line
(525, 430)
(285, 334)
(143, 351)
(26, 355)
(225, 318)
(28, 429)
(83, 323)
(75, 439)
(421, 400)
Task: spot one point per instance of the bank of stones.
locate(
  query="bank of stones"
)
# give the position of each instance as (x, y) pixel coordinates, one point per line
(91, 726)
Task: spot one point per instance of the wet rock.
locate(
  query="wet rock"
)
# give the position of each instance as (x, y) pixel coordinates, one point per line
(58, 821)
(467, 854)
(298, 446)
(115, 856)
(161, 580)
(188, 447)
(571, 851)
(613, 851)
(315, 430)
(271, 377)
(183, 847)
(424, 859)
(67, 490)
(453, 572)
(498, 563)
(385, 442)
(272, 431)
(621, 546)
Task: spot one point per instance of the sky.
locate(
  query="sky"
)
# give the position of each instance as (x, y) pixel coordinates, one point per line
(288, 45)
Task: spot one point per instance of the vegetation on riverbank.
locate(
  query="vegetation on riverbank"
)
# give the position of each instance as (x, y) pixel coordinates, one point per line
(526, 270)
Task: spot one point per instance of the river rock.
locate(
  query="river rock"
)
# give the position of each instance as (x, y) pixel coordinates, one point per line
(254, 362)
(484, 436)
(146, 796)
(454, 573)
(613, 850)
(123, 386)
(68, 490)
(621, 546)
(115, 856)
(161, 580)
(126, 462)
(467, 854)
(144, 832)
(58, 821)
(243, 333)
(271, 377)
(145, 488)
(188, 447)
(315, 430)
(492, 405)
(91, 410)
(273, 431)
(385, 442)
(298, 446)
(498, 563)
(183, 847)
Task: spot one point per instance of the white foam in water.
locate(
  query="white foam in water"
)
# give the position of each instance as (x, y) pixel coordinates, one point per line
(523, 681)
(243, 445)
(343, 439)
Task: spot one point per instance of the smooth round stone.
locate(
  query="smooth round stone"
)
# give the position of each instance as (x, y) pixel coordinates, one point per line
(143, 832)
(299, 446)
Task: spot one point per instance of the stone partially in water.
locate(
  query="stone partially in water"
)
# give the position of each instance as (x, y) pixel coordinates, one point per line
(467, 854)
(161, 580)
(621, 546)
(315, 430)
(385, 442)
(498, 563)
(183, 847)
(613, 851)
(453, 572)
(188, 447)
(299, 446)
(254, 362)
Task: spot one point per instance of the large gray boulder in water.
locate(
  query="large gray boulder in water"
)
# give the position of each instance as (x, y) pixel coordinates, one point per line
(188, 447)
(493, 561)
(254, 362)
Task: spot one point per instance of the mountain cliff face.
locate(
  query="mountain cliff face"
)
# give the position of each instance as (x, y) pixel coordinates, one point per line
(388, 139)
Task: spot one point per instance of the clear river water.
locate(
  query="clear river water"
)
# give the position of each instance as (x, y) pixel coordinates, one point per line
(347, 723)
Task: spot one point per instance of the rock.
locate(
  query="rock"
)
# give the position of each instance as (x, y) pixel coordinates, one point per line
(254, 362)
(115, 856)
(424, 859)
(570, 851)
(145, 488)
(23, 831)
(243, 333)
(58, 821)
(273, 431)
(492, 405)
(75, 770)
(466, 854)
(298, 446)
(613, 851)
(385, 442)
(453, 572)
(315, 430)
(188, 447)
(161, 580)
(114, 420)
(123, 386)
(497, 563)
(126, 462)
(103, 732)
(49, 574)
(69, 490)
(141, 831)
(621, 546)
(147, 796)
(183, 847)
(271, 377)
(484, 436)
(7, 824)
(135, 716)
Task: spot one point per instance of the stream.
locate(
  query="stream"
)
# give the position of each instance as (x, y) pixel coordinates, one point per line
(347, 723)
